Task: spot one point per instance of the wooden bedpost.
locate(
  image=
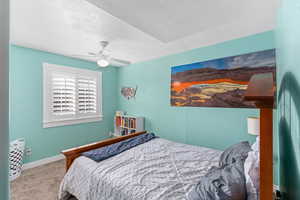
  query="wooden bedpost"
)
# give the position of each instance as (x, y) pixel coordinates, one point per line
(261, 90)
(266, 153)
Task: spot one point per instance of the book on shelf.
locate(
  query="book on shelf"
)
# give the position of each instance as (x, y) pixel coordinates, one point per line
(125, 125)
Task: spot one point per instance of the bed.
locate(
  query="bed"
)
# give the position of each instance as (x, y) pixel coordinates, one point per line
(161, 169)
(158, 169)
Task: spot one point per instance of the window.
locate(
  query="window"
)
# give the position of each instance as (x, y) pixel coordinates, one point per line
(71, 95)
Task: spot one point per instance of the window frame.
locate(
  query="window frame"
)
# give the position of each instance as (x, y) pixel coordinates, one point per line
(50, 120)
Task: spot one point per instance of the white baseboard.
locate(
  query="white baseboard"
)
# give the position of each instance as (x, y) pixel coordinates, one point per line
(42, 162)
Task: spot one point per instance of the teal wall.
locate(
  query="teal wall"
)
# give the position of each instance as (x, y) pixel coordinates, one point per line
(210, 127)
(26, 104)
(288, 41)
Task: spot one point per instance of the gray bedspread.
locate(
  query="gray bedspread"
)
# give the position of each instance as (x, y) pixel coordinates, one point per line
(156, 170)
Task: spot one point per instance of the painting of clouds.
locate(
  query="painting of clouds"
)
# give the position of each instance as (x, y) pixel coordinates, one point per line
(221, 82)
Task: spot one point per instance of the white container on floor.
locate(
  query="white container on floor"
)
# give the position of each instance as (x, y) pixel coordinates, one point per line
(16, 154)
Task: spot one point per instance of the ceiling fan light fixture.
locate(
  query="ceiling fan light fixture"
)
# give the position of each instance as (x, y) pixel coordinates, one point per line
(102, 63)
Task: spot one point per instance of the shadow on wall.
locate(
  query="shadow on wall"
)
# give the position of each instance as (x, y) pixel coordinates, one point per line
(289, 136)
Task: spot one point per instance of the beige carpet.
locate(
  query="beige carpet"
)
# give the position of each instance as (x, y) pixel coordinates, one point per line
(40, 183)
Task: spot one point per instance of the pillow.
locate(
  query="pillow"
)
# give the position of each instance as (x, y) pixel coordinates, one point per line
(255, 146)
(235, 152)
(221, 183)
(251, 168)
(117, 148)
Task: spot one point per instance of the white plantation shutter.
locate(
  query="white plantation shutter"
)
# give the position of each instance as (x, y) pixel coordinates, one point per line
(71, 95)
(63, 95)
(87, 95)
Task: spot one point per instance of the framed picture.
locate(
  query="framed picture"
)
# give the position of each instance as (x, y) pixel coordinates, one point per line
(221, 82)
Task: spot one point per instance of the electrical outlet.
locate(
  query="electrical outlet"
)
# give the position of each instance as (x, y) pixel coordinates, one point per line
(28, 151)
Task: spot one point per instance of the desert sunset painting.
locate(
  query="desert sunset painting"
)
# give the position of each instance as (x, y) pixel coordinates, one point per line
(221, 82)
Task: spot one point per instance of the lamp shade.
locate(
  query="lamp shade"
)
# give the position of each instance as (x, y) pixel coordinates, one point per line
(253, 125)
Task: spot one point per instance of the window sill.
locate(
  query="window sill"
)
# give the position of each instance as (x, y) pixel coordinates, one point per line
(71, 122)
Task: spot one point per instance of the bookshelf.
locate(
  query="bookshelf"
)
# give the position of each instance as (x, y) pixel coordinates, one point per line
(126, 124)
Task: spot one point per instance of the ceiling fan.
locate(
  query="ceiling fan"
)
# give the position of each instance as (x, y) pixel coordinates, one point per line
(103, 58)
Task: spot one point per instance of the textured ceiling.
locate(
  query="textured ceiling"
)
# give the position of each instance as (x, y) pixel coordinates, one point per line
(169, 20)
(138, 30)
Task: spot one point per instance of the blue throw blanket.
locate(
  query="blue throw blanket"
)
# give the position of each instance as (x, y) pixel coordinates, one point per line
(116, 148)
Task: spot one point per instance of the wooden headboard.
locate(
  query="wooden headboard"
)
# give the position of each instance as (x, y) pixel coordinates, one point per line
(73, 153)
(261, 90)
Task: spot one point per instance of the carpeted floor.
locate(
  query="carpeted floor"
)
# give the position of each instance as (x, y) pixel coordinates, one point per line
(40, 183)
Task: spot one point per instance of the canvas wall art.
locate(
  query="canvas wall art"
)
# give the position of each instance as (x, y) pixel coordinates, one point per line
(221, 82)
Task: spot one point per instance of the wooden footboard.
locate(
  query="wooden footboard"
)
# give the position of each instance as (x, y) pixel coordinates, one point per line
(73, 153)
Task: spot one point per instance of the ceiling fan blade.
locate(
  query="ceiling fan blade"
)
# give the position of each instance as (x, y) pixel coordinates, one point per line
(85, 56)
(92, 54)
(120, 62)
(80, 55)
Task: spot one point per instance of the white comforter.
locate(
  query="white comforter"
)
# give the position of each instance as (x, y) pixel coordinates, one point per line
(156, 170)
